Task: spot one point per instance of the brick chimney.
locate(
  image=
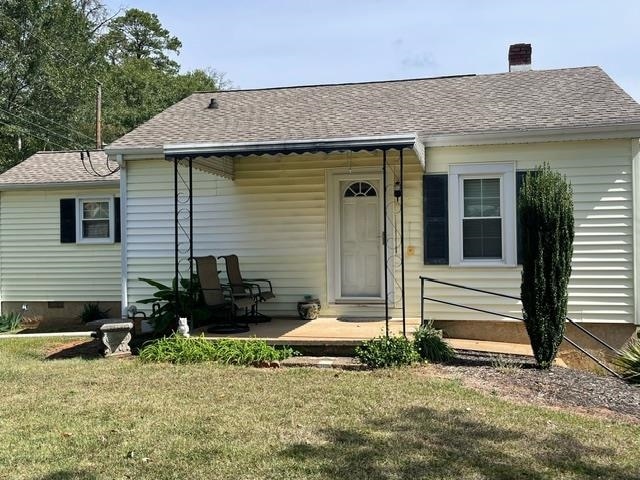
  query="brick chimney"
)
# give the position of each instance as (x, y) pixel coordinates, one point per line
(520, 57)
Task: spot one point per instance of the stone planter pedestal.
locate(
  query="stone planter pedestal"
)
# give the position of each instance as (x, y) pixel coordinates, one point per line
(115, 338)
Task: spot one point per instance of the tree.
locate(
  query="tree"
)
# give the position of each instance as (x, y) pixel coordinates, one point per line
(546, 217)
(47, 59)
(140, 35)
(52, 52)
(135, 91)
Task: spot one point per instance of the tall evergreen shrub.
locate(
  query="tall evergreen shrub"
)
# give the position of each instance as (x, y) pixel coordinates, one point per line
(547, 226)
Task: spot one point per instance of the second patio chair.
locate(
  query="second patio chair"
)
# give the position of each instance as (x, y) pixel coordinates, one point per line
(219, 298)
(259, 288)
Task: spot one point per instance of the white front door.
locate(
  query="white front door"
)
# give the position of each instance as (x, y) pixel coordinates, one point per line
(360, 239)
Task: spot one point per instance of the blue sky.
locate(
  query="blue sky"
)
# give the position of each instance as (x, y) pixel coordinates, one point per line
(291, 42)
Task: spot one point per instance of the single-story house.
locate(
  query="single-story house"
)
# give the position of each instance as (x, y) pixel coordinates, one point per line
(311, 185)
(348, 193)
(60, 236)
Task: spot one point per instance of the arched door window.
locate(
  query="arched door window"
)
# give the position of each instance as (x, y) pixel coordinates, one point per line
(360, 189)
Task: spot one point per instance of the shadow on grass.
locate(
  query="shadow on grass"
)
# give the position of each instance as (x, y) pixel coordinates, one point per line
(421, 442)
(69, 475)
(86, 349)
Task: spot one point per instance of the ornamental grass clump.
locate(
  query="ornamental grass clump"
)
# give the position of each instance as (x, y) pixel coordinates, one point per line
(178, 349)
(385, 352)
(430, 345)
(546, 218)
(629, 362)
(10, 321)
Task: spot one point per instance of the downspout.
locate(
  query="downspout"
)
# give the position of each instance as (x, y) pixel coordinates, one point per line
(124, 294)
(635, 187)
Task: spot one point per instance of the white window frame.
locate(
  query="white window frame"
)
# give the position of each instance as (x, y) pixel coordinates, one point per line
(79, 210)
(506, 172)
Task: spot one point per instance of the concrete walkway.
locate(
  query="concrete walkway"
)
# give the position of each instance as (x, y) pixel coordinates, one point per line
(44, 335)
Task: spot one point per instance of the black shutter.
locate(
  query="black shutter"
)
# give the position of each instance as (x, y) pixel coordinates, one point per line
(116, 223)
(67, 220)
(435, 192)
(519, 181)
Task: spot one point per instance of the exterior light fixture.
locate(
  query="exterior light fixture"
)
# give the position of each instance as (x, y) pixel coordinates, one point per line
(397, 190)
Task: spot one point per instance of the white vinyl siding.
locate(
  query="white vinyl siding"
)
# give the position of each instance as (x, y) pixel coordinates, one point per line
(37, 267)
(274, 216)
(601, 286)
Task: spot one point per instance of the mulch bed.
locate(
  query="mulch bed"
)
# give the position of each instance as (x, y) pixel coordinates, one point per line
(517, 378)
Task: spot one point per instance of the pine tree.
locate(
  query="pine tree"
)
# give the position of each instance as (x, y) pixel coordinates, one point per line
(546, 216)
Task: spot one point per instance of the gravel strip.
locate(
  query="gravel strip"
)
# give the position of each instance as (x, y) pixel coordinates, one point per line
(517, 377)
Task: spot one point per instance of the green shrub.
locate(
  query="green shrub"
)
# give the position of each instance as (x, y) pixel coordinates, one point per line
(163, 319)
(546, 217)
(384, 352)
(629, 362)
(430, 345)
(92, 311)
(10, 321)
(179, 349)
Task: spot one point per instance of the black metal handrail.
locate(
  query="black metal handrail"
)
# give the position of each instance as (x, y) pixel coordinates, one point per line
(504, 315)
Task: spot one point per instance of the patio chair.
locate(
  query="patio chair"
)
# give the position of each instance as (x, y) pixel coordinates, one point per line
(259, 288)
(220, 298)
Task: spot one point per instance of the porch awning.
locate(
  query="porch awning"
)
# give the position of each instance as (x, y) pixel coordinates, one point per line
(217, 158)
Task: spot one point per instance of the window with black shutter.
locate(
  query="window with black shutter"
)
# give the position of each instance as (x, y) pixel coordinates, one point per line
(436, 227)
(90, 220)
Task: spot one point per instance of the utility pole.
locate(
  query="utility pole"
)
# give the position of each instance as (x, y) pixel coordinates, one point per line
(99, 117)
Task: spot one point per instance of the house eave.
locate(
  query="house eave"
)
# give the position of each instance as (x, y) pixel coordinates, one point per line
(606, 132)
(58, 185)
(292, 146)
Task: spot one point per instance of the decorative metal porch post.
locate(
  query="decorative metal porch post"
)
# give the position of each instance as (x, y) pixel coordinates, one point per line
(404, 314)
(384, 242)
(183, 249)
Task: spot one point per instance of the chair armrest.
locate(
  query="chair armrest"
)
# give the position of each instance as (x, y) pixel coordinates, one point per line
(250, 286)
(264, 280)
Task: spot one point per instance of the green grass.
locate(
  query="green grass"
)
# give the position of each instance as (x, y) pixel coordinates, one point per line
(116, 419)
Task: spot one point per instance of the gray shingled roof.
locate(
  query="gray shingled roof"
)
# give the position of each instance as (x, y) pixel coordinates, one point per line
(44, 168)
(506, 102)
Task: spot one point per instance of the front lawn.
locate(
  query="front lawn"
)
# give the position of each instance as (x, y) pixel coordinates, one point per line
(117, 419)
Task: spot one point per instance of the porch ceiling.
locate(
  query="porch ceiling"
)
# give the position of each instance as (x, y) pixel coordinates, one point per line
(217, 158)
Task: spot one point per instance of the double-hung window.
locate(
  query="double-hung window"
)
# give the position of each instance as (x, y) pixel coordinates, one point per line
(481, 218)
(482, 214)
(95, 220)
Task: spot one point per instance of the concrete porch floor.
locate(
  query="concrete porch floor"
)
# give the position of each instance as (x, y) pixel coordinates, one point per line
(331, 331)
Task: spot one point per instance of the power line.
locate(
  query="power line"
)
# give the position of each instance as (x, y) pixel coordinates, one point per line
(72, 142)
(26, 132)
(50, 51)
(54, 122)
